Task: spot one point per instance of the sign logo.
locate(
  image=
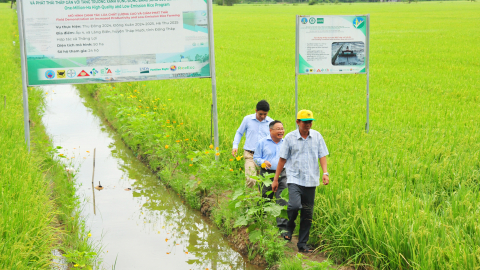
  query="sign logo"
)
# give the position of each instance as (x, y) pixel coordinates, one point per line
(118, 71)
(306, 70)
(311, 70)
(94, 72)
(320, 20)
(49, 74)
(312, 20)
(144, 70)
(106, 71)
(71, 73)
(83, 74)
(304, 20)
(173, 68)
(61, 74)
(318, 70)
(358, 22)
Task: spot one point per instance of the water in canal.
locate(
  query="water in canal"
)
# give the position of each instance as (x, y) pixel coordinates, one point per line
(147, 227)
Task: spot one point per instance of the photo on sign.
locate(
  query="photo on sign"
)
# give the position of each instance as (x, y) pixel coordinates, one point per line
(348, 53)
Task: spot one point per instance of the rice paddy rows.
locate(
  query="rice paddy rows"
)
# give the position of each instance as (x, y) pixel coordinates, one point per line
(37, 204)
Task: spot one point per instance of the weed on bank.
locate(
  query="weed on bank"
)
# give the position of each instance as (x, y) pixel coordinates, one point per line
(405, 195)
(38, 205)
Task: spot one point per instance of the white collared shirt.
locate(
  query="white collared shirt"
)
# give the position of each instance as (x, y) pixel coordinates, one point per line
(254, 129)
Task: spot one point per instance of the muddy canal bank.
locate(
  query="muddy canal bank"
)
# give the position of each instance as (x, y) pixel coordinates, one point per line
(139, 221)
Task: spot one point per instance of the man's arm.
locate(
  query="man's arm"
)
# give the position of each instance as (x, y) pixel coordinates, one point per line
(258, 155)
(281, 164)
(238, 136)
(323, 164)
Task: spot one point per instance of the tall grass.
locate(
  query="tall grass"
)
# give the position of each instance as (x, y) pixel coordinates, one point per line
(406, 195)
(38, 206)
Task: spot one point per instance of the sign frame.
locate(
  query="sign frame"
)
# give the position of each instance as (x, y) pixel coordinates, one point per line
(25, 82)
(367, 57)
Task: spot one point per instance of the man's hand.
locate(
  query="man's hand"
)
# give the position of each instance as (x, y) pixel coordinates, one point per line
(281, 164)
(325, 179)
(234, 152)
(275, 185)
(267, 164)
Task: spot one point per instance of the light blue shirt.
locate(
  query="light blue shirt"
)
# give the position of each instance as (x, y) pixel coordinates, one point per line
(267, 149)
(302, 157)
(254, 129)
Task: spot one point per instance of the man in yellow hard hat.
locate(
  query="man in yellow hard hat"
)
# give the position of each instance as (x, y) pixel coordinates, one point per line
(303, 148)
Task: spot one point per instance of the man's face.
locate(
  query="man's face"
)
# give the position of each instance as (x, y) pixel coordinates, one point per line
(304, 126)
(261, 115)
(277, 132)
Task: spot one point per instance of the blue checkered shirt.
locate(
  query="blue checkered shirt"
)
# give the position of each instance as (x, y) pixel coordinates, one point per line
(302, 157)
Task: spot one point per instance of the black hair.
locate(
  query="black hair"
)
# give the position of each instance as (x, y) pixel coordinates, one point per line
(273, 123)
(263, 105)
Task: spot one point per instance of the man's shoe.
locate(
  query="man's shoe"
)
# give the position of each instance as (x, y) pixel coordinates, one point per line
(286, 236)
(305, 249)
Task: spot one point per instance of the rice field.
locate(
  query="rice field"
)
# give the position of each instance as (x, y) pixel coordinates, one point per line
(38, 206)
(405, 195)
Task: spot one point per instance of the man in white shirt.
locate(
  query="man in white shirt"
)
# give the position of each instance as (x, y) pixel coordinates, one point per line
(255, 126)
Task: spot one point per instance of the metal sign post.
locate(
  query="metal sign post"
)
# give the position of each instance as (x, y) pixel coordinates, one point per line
(367, 69)
(296, 70)
(213, 75)
(23, 60)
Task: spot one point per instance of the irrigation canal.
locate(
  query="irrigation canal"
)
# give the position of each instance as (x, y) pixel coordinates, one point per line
(147, 227)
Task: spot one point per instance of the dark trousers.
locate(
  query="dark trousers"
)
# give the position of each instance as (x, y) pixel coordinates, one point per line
(300, 198)
(282, 184)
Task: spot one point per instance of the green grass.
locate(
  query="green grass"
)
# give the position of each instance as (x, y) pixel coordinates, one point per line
(299, 262)
(406, 195)
(38, 206)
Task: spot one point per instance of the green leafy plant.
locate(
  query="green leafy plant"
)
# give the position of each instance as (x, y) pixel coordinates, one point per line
(257, 208)
(257, 213)
(81, 259)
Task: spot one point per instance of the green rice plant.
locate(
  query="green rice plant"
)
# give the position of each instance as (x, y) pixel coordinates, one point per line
(38, 205)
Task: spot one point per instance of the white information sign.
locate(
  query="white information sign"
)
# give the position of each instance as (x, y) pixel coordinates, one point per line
(332, 44)
(84, 41)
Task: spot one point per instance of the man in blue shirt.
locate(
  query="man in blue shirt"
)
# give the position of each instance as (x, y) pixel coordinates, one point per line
(267, 154)
(256, 127)
(303, 149)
